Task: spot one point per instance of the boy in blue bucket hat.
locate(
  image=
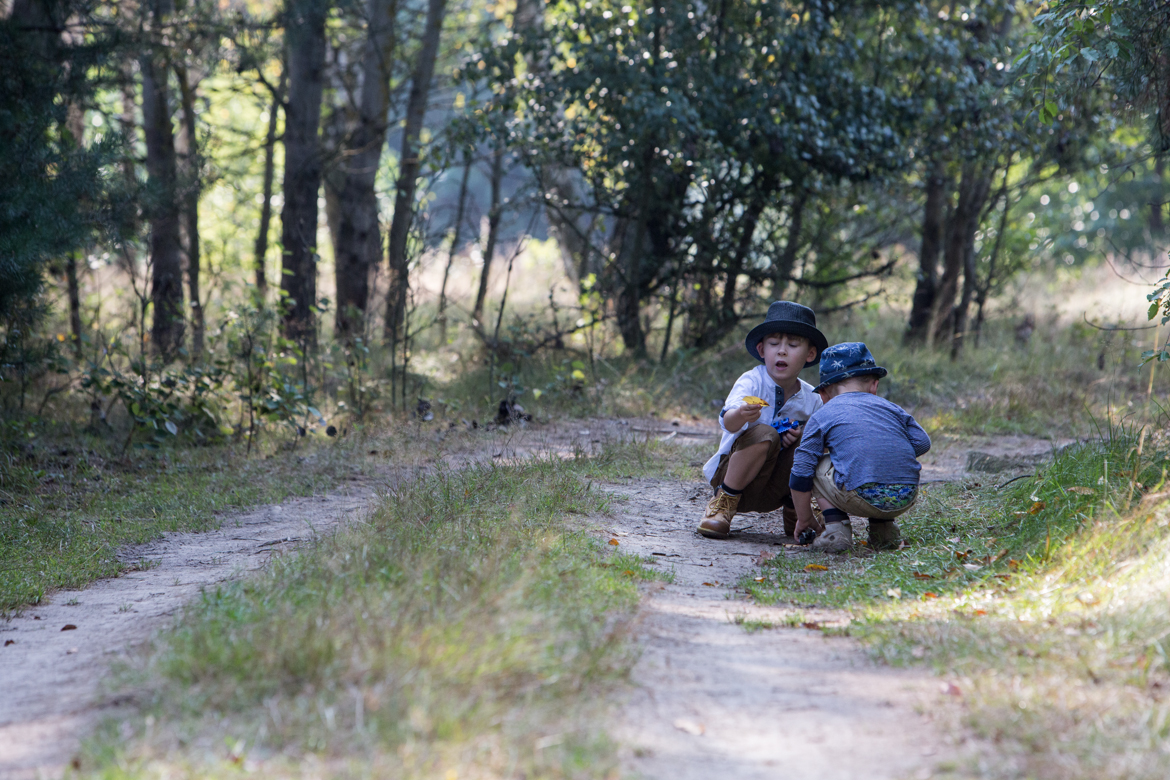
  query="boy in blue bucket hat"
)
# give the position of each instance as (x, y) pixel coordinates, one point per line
(761, 421)
(859, 454)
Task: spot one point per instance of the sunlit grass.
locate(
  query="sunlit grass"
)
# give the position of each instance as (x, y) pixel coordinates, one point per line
(1046, 603)
(467, 626)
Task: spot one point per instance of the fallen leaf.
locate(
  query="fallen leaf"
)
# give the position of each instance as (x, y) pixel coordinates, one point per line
(1003, 576)
(8, 642)
(816, 567)
(812, 625)
(1037, 508)
(1013, 563)
(628, 572)
(614, 542)
(930, 595)
(960, 555)
(68, 627)
(953, 540)
(980, 612)
(950, 689)
(690, 727)
(894, 593)
(920, 576)
(1084, 491)
(863, 543)
(710, 584)
(764, 557)
(751, 399)
(760, 579)
(972, 566)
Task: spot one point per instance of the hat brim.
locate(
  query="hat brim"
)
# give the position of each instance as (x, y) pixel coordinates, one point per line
(814, 336)
(875, 371)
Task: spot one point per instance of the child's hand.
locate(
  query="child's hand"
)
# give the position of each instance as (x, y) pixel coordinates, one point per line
(740, 415)
(751, 412)
(791, 437)
(801, 525)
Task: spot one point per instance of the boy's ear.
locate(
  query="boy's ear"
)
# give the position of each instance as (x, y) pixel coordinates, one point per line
(815, 353)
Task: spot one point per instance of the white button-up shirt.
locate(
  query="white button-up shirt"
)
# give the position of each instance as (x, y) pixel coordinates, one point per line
(757, 382)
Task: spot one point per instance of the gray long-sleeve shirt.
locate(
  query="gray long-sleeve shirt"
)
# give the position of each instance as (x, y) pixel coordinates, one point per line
(869, 440)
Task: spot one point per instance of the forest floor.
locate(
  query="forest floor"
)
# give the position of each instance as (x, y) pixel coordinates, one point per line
(713, 695)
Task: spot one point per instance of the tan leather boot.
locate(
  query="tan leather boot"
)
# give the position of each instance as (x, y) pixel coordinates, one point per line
(716, 523)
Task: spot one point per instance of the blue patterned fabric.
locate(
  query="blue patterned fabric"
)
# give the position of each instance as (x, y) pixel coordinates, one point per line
(845, 361)
(887, 497)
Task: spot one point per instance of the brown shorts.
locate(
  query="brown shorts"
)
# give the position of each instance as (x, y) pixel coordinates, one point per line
(769, 490)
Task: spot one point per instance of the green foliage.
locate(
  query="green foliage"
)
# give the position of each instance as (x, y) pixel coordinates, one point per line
(53, 191)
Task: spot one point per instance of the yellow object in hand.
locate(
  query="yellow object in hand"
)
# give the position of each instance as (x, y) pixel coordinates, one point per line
(751, 399)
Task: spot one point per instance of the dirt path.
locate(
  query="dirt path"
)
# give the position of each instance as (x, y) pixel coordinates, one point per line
(50, 676)
(712, 699)
(755, 697)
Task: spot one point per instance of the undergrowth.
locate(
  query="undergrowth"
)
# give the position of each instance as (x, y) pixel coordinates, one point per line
(464, 629)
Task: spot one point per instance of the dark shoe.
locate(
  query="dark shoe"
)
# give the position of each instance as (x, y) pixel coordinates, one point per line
(716, 523)
(884, 535)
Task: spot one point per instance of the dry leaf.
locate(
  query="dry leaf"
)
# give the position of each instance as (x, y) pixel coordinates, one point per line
(950, 689)
(972, 566)
(980, 612)
(614, 542)
(8, 642)
(1037, 508)
(751, 399)
(960, 555)
(812, 625)
(628, 572)
(764, 557)
(920, 576)
(816, 567)
(1084, 491)
(690, 727)
(711, 584)
(760, 579)
(930, 595)
(68, 627)
(1013, 563)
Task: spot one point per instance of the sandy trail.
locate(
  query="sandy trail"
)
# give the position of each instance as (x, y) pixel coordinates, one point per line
(752, 695)
(712, 699)
(50, 677)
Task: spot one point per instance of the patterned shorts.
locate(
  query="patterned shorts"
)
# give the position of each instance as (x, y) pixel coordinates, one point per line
(887, 497)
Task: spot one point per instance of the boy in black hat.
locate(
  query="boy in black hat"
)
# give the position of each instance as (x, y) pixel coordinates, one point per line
(859, 454)
(761, 421)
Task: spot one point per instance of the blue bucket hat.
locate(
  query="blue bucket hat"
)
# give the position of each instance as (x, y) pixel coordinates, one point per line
(787, 317)
(845, 361)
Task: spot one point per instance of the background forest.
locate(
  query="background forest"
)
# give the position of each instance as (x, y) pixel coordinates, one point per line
(224, 216)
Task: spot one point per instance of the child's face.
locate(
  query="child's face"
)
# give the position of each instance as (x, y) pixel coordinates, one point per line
(785, 355)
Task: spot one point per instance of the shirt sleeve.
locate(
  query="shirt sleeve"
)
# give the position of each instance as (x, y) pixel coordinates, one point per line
(743, 386)
(919, 438)
(807, 456)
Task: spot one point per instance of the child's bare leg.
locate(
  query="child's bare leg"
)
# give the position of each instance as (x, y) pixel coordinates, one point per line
(744, 465)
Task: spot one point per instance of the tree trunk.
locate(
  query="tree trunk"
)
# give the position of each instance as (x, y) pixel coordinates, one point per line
(416, 109)
(489, 251)
(358, 240)
(188, 150)
(305, 52)
(1157, 224)
(974, 188)
(933, 222)
(727, 319)
(75, 123)
(628, 305)
(455, 238)
(786, 263)
(261, 249)
(166, 289)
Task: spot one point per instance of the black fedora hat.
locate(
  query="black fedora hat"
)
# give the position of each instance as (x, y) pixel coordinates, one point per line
(787, 317)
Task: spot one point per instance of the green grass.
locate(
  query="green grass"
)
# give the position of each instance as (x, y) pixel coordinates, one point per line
(1046, 603)
(466, 628)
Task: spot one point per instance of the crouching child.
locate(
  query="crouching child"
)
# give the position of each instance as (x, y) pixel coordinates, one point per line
(761, 421)
(858, 455)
